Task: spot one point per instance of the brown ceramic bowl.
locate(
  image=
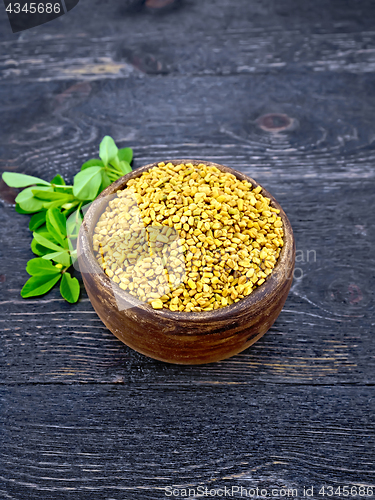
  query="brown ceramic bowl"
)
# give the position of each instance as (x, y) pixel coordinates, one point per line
(178, 337)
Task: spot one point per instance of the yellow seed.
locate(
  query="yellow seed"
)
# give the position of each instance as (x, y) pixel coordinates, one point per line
(192, 284)
(157, 304)
(215, 225)
(162, 238)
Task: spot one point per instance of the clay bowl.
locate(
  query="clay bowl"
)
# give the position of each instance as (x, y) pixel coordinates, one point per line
(178, 337)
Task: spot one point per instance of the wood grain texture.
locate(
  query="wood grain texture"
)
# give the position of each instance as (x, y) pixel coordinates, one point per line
(84, 417)
(63, 124)
(239, 38)
(323, 335)
(117, 442)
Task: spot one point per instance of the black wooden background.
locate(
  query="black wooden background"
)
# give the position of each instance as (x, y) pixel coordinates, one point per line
(283, 91)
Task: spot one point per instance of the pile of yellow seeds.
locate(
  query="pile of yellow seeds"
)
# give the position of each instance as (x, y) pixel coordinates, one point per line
(188, 238)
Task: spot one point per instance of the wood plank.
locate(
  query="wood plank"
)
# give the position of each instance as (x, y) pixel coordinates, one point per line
(320, 171)
(233, 51)
(118, 442)
(324, 334)
(331, 136)
(84, 417)
(235, 40)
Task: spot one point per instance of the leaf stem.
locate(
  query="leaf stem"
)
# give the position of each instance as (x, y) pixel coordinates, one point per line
(113, 171)
(61, 186)
(78, 211)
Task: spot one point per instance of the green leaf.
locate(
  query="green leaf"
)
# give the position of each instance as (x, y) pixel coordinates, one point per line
(106, 181)
(42, 240)
(124, 167)
(19, 210)
(42, 230)
(56, 226)
(15, 180)
(63, 189)
(73, 224)
(39, 285)
(60, 257)
(113, 177)
(125, 154)
(54, 204)
(28, 202)
(39, 249)
(92, 163)
(58, 180)
(69, 288)
(37, 220)
(87, 183)
(50, 196)
(107, 149)
(41, 266)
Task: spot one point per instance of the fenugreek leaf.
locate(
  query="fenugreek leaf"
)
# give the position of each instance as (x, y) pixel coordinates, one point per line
(56, 226)
(46, 242)
(69, 288)
(57, 203)
(27, 200)
(87, 183)
(19, 210)
(63, 189)
(37, 220)
(39, 249)
(107, 150)
(39, 285)
(51, 195)
(62, 258)
(73, 223)
(125, 154)
(106, 181)
(41, 266)
(92, 163)
(13, 179)
(43, 231)
(124, 167)
(58, 180)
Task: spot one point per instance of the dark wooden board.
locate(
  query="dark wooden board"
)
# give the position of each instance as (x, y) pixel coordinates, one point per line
(216, 36)
(323, 335)
(114, 442)
(322, 177)
(84, 417)
(212, 117)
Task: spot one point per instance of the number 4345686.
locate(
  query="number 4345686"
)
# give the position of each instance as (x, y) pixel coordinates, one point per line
(345, 491)
(33, 8)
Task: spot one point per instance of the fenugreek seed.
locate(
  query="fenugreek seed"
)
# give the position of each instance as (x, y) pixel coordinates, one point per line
(192, 284)
(211, 228)
(162, 238)
(157, 304)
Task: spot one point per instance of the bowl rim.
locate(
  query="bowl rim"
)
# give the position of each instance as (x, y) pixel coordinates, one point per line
(266, 289)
